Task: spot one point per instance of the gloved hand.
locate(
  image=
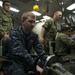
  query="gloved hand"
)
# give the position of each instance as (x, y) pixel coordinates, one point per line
(42, 61)
(44, 57)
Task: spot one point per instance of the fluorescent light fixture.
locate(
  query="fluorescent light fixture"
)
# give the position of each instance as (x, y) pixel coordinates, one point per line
(11, 8)
(73, 11)
(37, 21)
(42, 20)
(14, 9)
(46, 17)
(37, 0)
(1, 3)
(36, 13)
(71, 7)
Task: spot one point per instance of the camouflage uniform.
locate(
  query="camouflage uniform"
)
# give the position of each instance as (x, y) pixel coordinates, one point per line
(21, 44)
(64, 44)
(50, 33)
(5, 23)
(5, 26)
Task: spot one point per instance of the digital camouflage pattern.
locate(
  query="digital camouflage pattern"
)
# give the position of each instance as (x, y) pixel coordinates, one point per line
(50, 33)
(64, 45)
(5, 23)
(21, 45)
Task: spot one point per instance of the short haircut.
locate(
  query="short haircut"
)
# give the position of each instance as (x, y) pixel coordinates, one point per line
(57, 12)
(65, 28)
(5, 2)
(26, 14)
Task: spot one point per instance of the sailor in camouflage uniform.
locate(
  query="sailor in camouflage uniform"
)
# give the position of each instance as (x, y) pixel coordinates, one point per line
(22, 41)
(64, 44)
(5, 20)
(49, 30)
(5, 25)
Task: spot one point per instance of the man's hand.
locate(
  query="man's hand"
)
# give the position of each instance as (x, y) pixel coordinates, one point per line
(42, 35)
(41, 39)
(39, 69)
(6, 36)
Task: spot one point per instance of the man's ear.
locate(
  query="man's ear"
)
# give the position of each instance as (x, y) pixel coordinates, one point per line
(22, 21)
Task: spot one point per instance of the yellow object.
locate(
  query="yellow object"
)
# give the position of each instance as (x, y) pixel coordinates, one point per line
(36, 7)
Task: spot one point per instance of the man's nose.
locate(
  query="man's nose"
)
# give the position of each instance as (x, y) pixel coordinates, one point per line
(33, 23)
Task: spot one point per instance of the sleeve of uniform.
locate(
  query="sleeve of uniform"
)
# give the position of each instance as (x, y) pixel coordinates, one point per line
(68, 41)
(19, 49)
(2, 31)
(47, 24)
(38, 46)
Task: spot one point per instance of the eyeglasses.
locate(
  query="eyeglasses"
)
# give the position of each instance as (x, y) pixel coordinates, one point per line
(31, 21)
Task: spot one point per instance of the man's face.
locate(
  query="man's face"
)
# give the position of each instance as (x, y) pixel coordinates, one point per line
(58, 15)
(6, 7)
(29, 23)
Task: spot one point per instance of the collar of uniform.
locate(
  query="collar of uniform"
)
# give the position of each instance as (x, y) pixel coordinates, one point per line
(5, 12)
(22, 31)
(53, 19)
